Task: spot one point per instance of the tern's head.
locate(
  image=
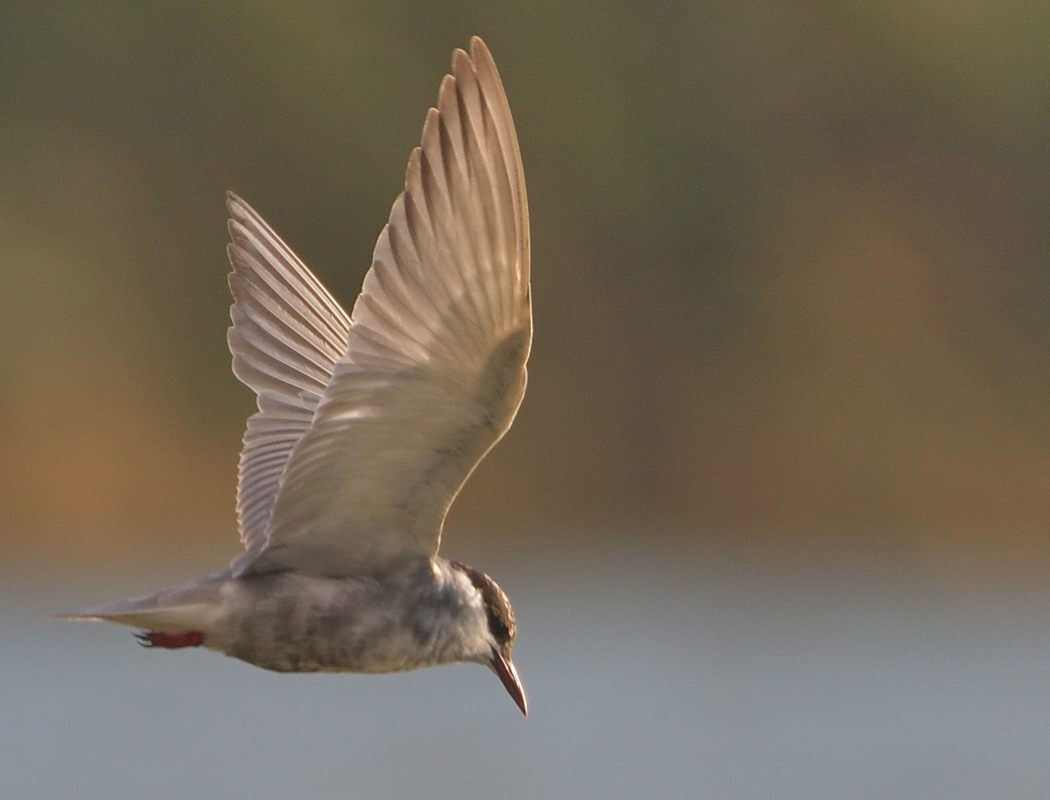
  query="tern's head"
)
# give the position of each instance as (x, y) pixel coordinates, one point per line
(502, 630)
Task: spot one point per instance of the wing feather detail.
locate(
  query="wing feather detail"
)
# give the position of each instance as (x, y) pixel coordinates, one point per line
(287, 334)
(433, 368)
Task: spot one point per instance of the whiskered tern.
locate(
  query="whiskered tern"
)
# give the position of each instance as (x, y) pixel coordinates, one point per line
(369, 424)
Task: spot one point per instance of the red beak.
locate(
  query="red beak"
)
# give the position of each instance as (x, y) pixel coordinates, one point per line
(504, 667)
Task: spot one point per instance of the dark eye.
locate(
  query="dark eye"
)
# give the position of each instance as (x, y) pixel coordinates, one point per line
(501, 623)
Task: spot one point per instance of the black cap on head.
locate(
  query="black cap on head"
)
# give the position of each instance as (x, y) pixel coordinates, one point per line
(497, 608)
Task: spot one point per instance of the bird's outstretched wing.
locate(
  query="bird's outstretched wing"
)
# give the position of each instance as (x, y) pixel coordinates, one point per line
(287, 334)
(367, 448)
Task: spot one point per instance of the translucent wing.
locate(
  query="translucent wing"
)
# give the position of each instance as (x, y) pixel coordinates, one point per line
(287, 334)
(434, 365)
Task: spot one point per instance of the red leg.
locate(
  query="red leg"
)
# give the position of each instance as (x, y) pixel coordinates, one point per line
(170, 641)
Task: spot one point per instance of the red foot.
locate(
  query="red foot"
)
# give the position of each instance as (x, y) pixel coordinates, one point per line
(170, 641)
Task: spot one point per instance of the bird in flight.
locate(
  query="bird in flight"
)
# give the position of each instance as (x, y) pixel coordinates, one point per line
(369, 424)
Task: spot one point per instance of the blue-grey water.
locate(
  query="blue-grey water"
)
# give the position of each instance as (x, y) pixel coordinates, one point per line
(676, 678)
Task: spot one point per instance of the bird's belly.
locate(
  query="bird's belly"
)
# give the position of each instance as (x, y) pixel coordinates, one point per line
(325, 626)
(284, 650)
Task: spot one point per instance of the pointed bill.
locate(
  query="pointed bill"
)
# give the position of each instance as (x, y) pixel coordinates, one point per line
(507, 673)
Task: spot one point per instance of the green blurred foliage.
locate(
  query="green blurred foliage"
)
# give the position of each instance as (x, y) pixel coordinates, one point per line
(791, 259)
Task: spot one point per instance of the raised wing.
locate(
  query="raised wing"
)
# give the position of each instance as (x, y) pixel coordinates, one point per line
(434, 369)
(287, 334)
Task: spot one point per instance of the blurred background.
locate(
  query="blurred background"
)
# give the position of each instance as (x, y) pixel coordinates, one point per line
(779, 492)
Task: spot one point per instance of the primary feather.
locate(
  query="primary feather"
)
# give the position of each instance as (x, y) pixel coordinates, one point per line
(369, 425)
